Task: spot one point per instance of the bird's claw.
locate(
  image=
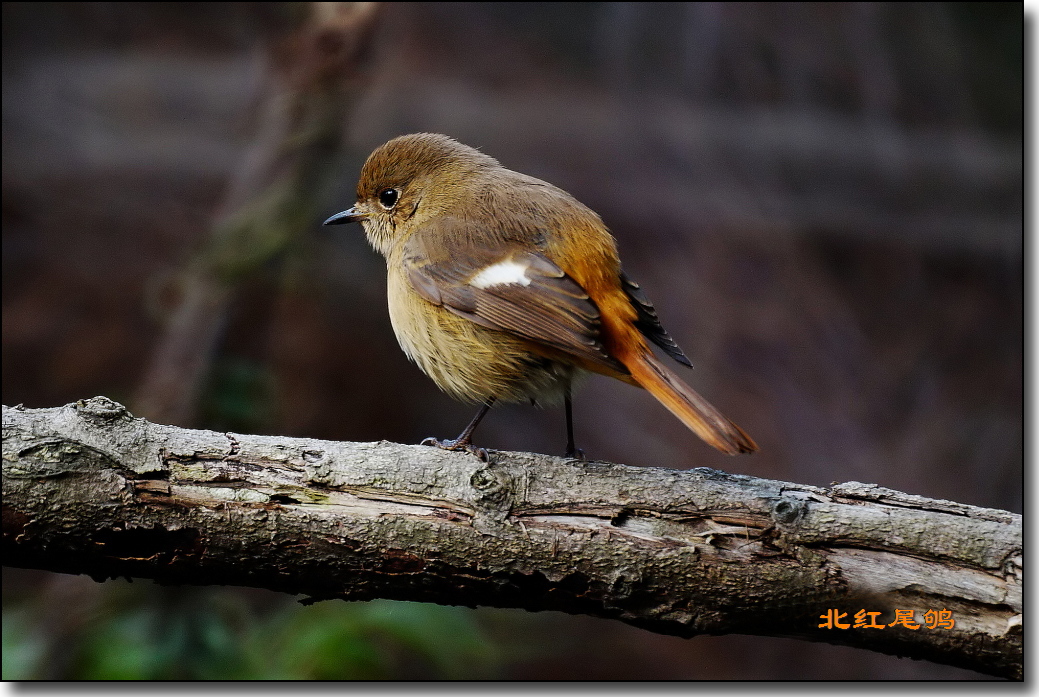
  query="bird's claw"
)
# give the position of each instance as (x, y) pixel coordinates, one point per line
(575, 454)
(457, 445)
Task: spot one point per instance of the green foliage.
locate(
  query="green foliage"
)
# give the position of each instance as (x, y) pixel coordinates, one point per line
(148, 632)
(24, 649)
(381, 639)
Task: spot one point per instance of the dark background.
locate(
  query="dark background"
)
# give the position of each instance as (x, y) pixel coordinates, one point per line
(823, 200)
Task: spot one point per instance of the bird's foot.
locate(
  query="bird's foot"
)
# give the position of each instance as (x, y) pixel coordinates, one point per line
(575, 454)
(458, 444)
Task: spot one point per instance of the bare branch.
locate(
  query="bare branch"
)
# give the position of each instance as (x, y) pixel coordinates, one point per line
(90, 489)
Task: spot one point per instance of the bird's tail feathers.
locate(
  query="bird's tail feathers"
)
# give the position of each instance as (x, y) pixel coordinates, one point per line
(692, 409)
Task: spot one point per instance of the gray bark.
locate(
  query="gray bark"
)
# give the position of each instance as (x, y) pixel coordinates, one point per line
(88, 488)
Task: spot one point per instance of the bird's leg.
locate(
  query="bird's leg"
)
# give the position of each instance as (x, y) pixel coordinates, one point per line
(571, 450)
(464, 440)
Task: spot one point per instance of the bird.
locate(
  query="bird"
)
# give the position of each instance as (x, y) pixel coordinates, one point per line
(504, 288)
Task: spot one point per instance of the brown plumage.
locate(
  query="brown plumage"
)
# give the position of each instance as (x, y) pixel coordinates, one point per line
(504, 287)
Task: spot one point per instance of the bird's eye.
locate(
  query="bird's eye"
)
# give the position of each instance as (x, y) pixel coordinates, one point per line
(388, 198)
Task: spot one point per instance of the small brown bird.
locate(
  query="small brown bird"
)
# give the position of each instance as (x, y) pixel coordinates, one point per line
(503, 287)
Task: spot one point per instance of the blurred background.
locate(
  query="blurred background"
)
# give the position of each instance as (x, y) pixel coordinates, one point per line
(823, 200)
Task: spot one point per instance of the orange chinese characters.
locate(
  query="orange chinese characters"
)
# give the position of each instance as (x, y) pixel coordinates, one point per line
(939, 619)
(905, 618)
(832, 619)
(867, 620)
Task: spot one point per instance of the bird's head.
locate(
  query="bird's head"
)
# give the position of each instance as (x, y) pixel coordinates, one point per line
(409, 180)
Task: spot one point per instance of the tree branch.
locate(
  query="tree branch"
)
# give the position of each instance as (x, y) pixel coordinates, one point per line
(87, 488)
(311, 81)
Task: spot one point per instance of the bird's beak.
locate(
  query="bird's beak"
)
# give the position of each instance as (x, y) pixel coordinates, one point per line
(349, 216)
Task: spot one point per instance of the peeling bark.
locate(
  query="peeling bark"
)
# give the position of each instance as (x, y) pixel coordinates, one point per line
(88, 488)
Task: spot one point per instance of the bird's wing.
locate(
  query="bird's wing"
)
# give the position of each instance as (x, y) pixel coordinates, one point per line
(508, 286)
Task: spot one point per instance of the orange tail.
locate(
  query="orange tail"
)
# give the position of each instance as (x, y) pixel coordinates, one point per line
(692, 409)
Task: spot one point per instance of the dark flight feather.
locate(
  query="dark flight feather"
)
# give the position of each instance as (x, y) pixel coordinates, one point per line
(649, 324)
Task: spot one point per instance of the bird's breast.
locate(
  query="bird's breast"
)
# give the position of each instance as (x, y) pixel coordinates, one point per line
(466, 360)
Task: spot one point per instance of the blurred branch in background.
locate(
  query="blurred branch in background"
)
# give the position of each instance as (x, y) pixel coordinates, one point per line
(684, 553)
(313, 76)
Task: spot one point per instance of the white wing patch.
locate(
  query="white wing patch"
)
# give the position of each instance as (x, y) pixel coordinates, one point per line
(504, 273)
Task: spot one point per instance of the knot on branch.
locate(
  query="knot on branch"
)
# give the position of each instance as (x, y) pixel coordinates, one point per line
(494, 492)
(788, 510)
(493, 485)
(101, 409)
